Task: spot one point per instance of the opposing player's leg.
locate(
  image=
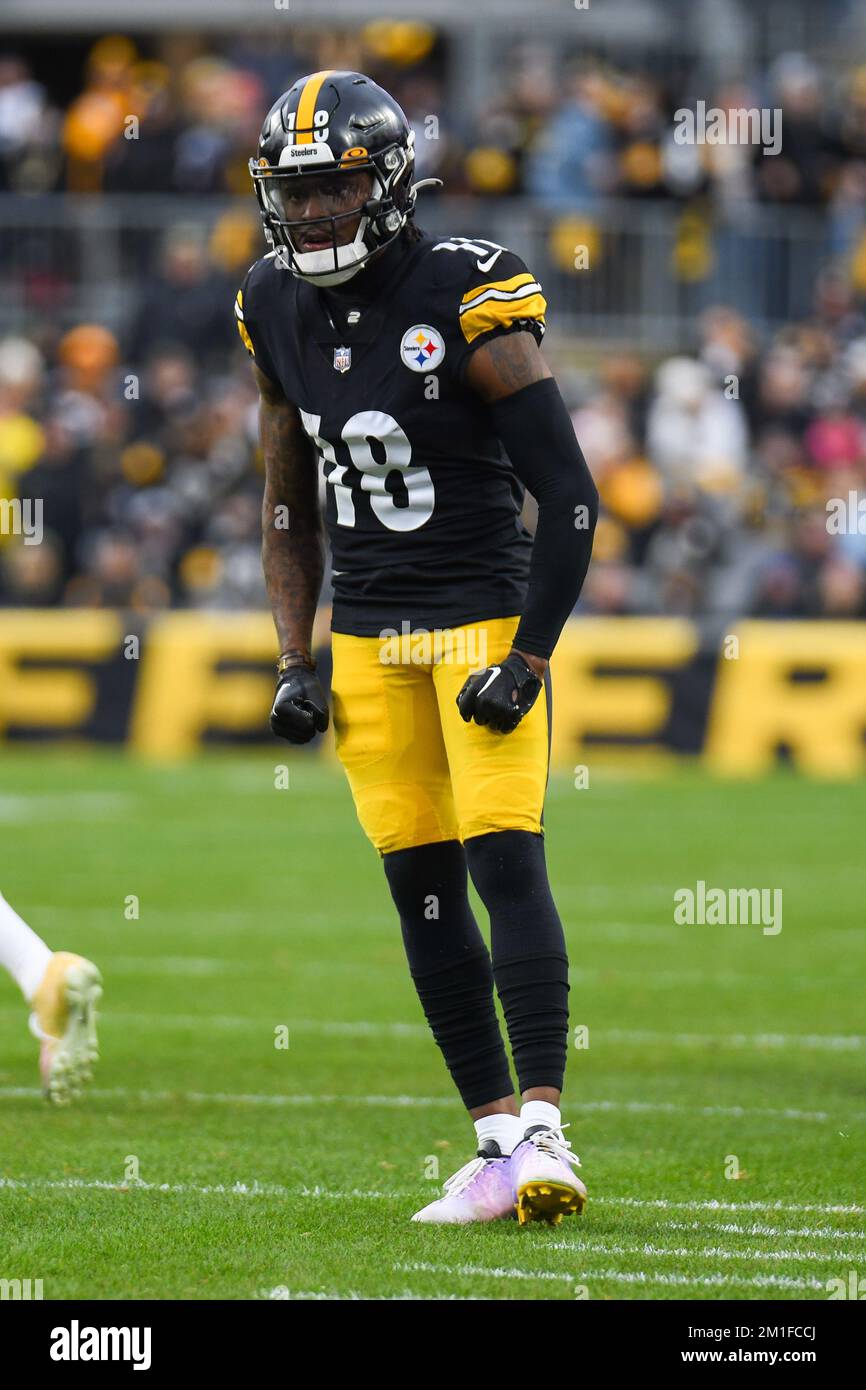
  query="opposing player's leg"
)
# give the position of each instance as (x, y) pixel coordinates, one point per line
(389, 740)
(499, 783)
(63, 991)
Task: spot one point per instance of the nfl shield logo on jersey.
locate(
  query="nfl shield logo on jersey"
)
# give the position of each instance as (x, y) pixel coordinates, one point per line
(422, 348)
(342, 359)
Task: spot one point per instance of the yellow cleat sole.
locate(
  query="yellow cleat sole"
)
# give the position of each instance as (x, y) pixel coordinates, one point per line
(548, 1201)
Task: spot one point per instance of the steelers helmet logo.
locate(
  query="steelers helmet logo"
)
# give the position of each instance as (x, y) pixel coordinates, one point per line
(422, 348)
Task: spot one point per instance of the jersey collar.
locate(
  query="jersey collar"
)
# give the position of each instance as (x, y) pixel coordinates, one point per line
(326, 331)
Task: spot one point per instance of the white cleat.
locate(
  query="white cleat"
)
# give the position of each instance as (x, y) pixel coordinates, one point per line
(545, 1187)
(64, 1021)
(479, 1191)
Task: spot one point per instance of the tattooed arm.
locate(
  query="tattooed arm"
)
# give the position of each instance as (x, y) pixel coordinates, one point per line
(293, 560)
(505, 364)
(292, 545)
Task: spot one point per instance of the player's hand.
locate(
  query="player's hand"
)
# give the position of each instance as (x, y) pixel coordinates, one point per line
(300, 709)
(501, 695)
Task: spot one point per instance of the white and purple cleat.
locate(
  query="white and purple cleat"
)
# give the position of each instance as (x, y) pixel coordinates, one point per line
(479, 1191)
(536, 1183)
(545, 1187)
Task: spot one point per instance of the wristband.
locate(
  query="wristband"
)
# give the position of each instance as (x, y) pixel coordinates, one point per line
(295, 657)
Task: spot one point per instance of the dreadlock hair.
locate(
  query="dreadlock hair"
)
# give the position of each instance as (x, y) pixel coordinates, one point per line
(412, 232)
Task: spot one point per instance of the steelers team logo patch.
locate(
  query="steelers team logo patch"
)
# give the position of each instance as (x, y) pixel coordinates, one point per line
(422, 348)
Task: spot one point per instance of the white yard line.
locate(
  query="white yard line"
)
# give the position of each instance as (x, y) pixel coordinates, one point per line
(663, 1204)
(421, 1102)
(661, 1107)
(256, 1189)
(713, 1252)
(423, 1267)
(281, 1293)
(209, 919)
(177, 965)
(713, 1280)
(223, 1098)
(816, 1042)
(48, 807)
(237, 1189)
(400, 1029)
(610, 976)
(761, 1229)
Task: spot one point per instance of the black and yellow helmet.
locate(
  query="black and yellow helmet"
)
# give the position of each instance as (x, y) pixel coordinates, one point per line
(333, 123)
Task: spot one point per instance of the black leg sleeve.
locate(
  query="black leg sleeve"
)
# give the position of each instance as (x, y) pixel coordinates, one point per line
(530, 964)
(450, 967)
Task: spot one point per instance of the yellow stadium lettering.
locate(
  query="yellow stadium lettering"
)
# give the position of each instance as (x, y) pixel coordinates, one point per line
(52, 698)
(589, 702)
(181, 694)
(801, 686)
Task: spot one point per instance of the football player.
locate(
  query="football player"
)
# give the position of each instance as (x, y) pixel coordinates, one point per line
(62, 990)
(405, 399)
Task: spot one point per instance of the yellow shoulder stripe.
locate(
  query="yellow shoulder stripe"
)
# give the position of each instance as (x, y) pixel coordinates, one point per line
(245, 338)
(242, 328)
(500, 303)
(497, 287)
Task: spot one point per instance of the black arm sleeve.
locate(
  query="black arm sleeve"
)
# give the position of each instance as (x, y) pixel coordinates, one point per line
(538, 436)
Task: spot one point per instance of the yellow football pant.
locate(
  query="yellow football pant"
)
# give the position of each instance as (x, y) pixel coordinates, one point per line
(418, 773)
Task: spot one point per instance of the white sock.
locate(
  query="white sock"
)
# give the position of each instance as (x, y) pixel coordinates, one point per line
(506, 1130)
(539, 1112)
(22, 952)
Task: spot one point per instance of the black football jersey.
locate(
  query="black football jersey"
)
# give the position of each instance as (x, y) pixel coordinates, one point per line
(421, 505)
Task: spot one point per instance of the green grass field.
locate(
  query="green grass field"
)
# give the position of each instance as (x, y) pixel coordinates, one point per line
(265, 1171)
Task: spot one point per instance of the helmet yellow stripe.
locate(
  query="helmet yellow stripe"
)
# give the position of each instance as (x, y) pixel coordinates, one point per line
(307, 106)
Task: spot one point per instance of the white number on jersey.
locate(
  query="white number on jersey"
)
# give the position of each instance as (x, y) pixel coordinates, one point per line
(342, 493)
(482, 249)
(357, 433)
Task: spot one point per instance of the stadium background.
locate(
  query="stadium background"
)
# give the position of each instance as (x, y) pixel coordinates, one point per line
(722, 617)
(706, 324)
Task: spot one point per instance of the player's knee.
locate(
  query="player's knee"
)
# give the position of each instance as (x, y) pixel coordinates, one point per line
(424, 878)
(508, 867)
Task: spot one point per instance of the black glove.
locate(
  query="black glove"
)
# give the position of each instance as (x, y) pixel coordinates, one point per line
(300, 709)
(500, 696)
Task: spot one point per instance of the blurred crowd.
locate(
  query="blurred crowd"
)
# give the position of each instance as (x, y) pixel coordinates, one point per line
(715, 466)
(566, 130)
(727, 476)
(715, 469)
